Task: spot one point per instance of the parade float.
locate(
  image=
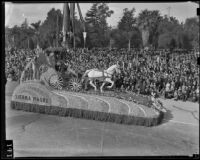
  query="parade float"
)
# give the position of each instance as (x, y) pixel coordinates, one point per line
(45, 93)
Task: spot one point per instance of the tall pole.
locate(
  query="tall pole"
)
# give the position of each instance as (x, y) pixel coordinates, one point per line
(66, 25)
(14, 41)
(129, 45)
(72, 9)
(110, 44)
(83, 22)
(74, 37)
(73, 24)
(37, 40)
(84, 38)
(57, 32)
(168, 8)
(69, 24)
(28, 42)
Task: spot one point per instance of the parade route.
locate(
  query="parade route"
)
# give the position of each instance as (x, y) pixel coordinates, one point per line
(41, 135)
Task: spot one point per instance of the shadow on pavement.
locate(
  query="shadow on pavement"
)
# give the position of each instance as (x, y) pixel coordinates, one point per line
(167, 117)
(10, 87)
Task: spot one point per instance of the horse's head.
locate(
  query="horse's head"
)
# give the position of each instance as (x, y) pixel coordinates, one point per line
(114, 69)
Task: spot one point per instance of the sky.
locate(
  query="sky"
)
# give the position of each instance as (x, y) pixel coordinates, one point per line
(15, 13)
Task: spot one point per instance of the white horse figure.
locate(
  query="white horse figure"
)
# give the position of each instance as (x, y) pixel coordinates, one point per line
(102, 75)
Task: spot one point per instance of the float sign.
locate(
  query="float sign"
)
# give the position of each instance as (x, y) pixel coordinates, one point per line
(33, 93)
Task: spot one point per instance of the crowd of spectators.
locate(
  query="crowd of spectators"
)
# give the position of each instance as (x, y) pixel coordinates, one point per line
(168, 74)
(15, 62)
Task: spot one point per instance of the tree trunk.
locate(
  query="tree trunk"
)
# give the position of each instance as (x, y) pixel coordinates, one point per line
(129, 44)
(37, 39)
(28, 43)
(145, 37)
(110, 45)
(74, 41)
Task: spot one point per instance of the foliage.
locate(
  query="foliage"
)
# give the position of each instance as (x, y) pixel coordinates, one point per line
(172, 34)
(191, 28)
(36, 27)
(148, 22)
(128, 20)
(49, 28)
(149, 28)
(127, 34)
(97, 26)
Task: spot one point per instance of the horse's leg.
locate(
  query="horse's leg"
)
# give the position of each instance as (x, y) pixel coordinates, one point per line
(73, 72)
(92, 84)
(85, 83)
(110, 81)
(101, 88)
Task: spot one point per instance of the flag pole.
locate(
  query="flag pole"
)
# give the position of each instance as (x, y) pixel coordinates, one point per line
(66, 25)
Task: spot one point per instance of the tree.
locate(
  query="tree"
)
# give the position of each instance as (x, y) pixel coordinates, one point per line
(191, 29)
(109, 35)
(167, 24)
(127, 21)
(25, 24)
(36, 27)
(79, 29)
(127, 24)
(147, 22)
(120, 38)
(170, 33)
(186, 42)
(164, 40)
(20, 36)
(48, 29)
(172, 44)
(96, 24)
(15, 34)
(9, 39)
(26, 34)
(136, 39)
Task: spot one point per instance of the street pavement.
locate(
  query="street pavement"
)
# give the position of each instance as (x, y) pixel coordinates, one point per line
(41, 135)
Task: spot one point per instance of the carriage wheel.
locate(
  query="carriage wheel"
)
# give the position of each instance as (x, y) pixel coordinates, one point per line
(56, 82)
(75, 84)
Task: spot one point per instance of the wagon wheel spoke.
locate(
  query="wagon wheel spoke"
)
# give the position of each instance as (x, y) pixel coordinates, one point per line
(75, 84)
(56, 82)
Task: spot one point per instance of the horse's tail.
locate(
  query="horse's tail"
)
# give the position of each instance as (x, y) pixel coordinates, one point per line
(85, 74)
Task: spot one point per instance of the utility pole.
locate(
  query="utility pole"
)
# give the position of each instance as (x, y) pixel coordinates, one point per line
(69, 24)
(57, 32)
(66, 24)
(168, 8)
(13, 40)
(28, 42)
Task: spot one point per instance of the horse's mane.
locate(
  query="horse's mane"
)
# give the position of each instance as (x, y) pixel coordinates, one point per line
(111, 66)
